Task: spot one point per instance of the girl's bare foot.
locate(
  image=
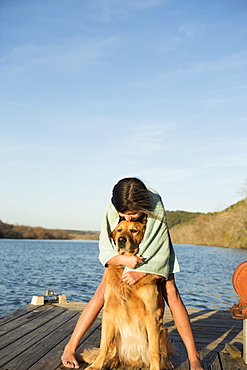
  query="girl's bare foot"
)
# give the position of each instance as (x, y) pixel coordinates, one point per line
(68, 359)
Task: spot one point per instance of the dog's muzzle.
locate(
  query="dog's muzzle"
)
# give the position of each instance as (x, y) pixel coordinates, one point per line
(126, 246)
(121, 241)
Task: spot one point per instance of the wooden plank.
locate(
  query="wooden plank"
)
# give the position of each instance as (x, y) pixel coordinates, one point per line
(36, 340)
(212, 329)
(51, 360)
(179, 358)
(18, 313)
(224, 321)
(39, 348)
(24, 327)
(209, 359)
(220, 323)
(18, 351)
(216, 365)
(210, 343)
(75, 306)
(232, 350)
(18, 321)
(228, 363)
(93, 340)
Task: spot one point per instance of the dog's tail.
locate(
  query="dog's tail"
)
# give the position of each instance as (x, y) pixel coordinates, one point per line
(89, 355)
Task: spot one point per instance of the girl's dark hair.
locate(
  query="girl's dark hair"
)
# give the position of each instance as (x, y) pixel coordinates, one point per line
(131, 194)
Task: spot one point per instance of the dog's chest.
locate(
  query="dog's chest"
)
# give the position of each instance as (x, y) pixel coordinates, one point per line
(118, 292)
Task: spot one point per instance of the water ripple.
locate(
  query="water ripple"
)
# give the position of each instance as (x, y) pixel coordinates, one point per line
(30, 267)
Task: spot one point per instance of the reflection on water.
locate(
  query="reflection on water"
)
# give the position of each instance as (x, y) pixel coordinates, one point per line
(205, 279)
(30, 267)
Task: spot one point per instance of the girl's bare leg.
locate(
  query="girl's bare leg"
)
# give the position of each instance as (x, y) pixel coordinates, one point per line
(84, 322)
(182, 321)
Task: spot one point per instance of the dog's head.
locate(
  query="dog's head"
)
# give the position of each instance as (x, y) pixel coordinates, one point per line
(127, 236)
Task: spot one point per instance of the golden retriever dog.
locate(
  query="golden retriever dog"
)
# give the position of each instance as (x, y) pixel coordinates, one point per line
(132, 323)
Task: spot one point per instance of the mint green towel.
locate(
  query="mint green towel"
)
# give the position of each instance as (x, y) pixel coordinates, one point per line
(156, 246)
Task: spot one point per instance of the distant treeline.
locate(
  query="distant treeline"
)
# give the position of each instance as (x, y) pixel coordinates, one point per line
(84, 235)
(227, 228)
(9, 231)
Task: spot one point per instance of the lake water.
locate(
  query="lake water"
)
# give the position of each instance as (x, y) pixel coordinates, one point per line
(30, 267)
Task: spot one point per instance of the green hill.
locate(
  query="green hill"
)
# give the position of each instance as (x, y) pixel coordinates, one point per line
(226, 229)
(179, 217)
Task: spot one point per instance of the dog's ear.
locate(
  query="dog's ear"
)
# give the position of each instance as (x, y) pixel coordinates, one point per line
(143, 219)
(112, 234)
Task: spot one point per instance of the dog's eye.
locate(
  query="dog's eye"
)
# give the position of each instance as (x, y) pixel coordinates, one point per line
(119, 230)
(133, 231)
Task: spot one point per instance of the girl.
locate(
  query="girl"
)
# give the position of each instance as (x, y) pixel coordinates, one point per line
(132, 201)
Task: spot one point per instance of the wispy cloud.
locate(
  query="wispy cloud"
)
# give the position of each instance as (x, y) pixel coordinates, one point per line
(235, 60)
(139, 4)
(141, 138)
(232, 61)
(184, 34)
(73, 52)
(111, 6)
(16, 147)
(152, 136)
(108, 10)
(10, 104)
(165, 174)
(189, 30)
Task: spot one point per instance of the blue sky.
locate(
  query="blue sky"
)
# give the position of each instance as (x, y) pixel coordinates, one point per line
(96, 90)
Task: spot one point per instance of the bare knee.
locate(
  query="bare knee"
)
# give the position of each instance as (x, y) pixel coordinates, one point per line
(100, 292)
(170, 291)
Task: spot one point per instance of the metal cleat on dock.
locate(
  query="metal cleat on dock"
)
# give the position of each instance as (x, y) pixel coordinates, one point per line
(48, 298)
(239, 311)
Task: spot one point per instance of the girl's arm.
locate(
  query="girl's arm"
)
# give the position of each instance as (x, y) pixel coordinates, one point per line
(131, 277)
(129, 261)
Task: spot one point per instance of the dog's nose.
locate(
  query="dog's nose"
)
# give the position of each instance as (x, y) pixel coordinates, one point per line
(122, 240)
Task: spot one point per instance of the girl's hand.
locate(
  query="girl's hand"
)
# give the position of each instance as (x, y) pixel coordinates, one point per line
(132, 277)
(131, 261)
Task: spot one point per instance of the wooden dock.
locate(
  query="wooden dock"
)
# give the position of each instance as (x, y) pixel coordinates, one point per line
(33, 337)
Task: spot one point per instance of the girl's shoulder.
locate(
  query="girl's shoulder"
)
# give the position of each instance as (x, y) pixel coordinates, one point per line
(154, 194)
(156, 203)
